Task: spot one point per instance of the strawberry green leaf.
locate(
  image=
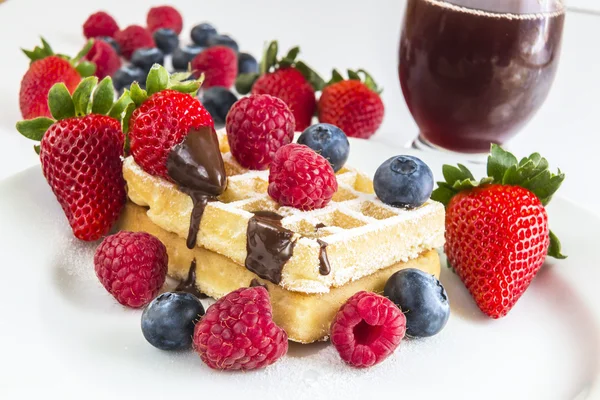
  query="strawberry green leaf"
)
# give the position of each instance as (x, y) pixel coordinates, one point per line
(311, 76)
(104, 96)
(83, 52)
(37, 148)
(34, 129)
(86, 68)
(443, 193)
(370, 82)
(335, 77)
(126, 117)
(293, 53)
(83, 94)
(544, 185)
(244, 82)
(554, 250)
(116, 111)
(499, 161)
(269, 58)
(60, 102)
(353, 76)
(453, 174)
(138, 95)
(158, 79)
(39, 52)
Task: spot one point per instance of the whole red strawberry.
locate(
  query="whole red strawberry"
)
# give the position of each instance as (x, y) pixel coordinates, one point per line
(162, 119)
(132, 266)
(106, 59)
(45, 70)
(132, 38)
(238, 332)
(219, 65)
(81, 153)
(497, 234)
(164, 17)
(100, 24)
(290, 80)
(352, 105)
(301, 178)
(257, 126)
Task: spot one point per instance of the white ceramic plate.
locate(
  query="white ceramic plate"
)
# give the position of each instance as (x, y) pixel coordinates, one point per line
(62, 334)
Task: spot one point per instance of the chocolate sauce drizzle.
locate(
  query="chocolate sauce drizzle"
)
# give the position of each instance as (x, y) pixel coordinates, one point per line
(189, 284)
(254, 283)
(324, 267)
(268, 244)
(319, 226)
(196, 165)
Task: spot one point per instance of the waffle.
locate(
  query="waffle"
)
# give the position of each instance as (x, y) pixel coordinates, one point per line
(363, 235)
(305, 317)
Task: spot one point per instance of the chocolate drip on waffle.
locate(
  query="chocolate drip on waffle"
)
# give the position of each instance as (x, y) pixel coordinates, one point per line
(196, 165)
(189, 284)
(255, 282)
(324, 267)
(268, 244)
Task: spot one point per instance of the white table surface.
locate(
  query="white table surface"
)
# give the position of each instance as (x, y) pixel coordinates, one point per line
(345, 34)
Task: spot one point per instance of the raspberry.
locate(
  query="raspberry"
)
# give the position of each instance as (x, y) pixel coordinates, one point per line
(100, 24)
(301, 178)
(238, 332)
(219, 65)
(164, 17)
(367, 329)
(257, 126)
(132, 266)
(132, 38)
(105, 57)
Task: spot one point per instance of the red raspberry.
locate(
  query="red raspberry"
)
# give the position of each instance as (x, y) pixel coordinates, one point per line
(132, 38)
(257, 126)
(105, 57)
(367, 329)
(164, 17)
(132, 266)
(100, 24)
(219, 64)
(238, 332)
(301, 178)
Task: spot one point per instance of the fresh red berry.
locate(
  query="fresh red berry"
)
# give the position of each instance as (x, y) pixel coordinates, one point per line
(238, 332)
(100, 24)
(292, 87)
(353, 107)
(132, 266)
(160, 123)
(257, 126)
(105, 57)
(164, 17)
(132, 38)
(367, 329)
(81, 160)
(497, 238)
(219, 65)
(301, 178)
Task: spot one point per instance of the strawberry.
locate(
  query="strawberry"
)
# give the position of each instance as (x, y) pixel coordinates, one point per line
(45, 70)
(290, 80)
(497, 234)
(80, 153)
(352, 105)
(161, 117)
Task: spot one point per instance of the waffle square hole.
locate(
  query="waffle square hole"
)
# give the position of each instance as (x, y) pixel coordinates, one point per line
(263, 204)
(341, 220)
(343, 194)
(241, 189)
(376, 211)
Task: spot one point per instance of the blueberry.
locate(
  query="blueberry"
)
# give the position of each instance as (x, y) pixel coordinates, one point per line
(403, 181)
(168, 321)
(201, 33)
(223, 40)
(166, 40)
(182, 56)
(218, 100)
(329, 141)
(146, 57)
(247, 64)
(423, 300)
(112, 42)
(126, 75)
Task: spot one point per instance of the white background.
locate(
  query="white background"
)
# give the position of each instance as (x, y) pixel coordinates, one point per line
(351, 33)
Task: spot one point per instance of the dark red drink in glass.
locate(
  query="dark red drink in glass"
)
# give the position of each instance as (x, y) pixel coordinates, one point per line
(474, 71)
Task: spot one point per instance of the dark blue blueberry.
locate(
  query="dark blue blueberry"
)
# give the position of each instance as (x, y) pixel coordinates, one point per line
(329, 141)
(166, 40)
(112, 42)
(126, 75)
(145, 58)
(217, 101)
(223, 40)
(247, 64)
(182, 56)
(423, 300)
(201, 33)
(403, 181)
(168, 321)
